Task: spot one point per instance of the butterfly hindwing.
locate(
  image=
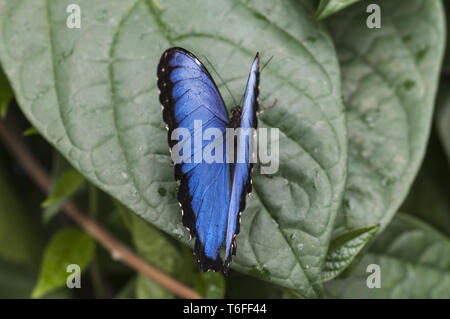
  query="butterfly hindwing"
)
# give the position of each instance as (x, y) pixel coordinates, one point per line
(241, 181)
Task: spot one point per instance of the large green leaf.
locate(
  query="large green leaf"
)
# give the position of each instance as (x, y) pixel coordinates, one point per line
(92, 93)
(389, 80)
(414, 262)
(329, 7)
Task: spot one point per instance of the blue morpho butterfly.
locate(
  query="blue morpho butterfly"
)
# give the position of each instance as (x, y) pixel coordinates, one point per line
(211, 195)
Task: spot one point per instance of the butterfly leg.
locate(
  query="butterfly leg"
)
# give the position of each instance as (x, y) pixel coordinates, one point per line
(267, 108)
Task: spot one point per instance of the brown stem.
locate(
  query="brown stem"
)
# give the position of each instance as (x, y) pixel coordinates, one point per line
(118, 250)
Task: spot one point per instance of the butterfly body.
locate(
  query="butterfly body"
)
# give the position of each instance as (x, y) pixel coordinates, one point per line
(211, 195)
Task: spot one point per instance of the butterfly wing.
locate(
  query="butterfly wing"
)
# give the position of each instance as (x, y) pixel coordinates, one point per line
(241, 184)
(189, 94)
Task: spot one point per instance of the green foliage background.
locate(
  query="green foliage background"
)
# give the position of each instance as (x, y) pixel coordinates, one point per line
(364, 134)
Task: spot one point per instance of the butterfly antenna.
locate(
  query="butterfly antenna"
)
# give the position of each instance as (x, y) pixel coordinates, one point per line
(241, 100)
(221, 79)
(265, 64)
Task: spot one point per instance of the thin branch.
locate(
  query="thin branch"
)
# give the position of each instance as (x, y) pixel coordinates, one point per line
(118, 250)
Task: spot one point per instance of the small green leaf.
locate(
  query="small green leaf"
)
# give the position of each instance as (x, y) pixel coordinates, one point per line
(414, 261)
(329, 7)
(67, 246)
(59, 167)
(344, 249)
(6, 94)
(52, 210)
(30, 131)
(65, 187)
